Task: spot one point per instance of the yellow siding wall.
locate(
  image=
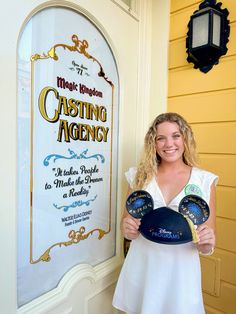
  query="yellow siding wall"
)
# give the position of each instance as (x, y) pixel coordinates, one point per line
(208, 102)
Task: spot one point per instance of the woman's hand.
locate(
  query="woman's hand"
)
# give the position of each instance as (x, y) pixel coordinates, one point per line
(207, 239)
(129, 227)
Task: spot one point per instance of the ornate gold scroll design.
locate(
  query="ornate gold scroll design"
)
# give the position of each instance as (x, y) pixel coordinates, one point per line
(79, 46)
(74, 236)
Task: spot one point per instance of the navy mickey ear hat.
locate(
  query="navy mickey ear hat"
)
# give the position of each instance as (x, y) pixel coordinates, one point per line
(164, 225)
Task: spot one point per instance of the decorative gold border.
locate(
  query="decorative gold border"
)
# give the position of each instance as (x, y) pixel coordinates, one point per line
(74, 236)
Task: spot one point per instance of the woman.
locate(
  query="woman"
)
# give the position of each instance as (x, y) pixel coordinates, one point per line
(158, 278)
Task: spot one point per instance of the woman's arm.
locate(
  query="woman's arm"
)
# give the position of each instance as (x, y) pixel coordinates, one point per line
(129, 225)
(206, 232)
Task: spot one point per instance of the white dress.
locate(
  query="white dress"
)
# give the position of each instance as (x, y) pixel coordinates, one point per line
(159, 278)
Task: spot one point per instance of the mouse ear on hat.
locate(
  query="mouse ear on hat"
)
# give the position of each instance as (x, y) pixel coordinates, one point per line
(139, 203)
(195, 208)
(166, 226)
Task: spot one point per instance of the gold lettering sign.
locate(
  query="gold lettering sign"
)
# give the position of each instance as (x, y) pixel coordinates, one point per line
(76, 120)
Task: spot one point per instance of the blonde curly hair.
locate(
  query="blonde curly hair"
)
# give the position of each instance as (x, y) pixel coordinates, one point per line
(150, 160)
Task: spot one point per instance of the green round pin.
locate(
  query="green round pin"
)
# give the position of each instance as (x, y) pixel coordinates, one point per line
(192, 189)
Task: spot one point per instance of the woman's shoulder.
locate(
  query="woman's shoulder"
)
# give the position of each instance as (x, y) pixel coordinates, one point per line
(204, 175)
(131, 172)
(201, 182)
(203, 172)
(130, 175)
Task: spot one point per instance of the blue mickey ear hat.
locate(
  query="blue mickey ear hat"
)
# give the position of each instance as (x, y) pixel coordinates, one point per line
(164, 225)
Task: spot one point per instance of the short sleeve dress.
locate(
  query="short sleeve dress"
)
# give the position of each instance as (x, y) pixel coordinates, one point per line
(158, 278)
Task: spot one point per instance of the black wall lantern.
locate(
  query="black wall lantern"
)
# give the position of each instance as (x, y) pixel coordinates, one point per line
(208, 35)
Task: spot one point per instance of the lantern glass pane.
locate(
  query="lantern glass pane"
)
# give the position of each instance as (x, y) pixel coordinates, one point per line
(200, 30)
(216, 29)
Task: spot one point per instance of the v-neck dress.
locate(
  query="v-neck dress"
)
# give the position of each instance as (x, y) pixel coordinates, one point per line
(159, 278)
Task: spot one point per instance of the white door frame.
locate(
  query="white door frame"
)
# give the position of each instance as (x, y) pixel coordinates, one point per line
(135, 98)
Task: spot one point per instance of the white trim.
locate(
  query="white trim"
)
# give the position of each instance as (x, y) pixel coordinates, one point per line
(135, 5)
(132, 11)
(56, 296)
(144, 72)
(160, 46)
(68, 311)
